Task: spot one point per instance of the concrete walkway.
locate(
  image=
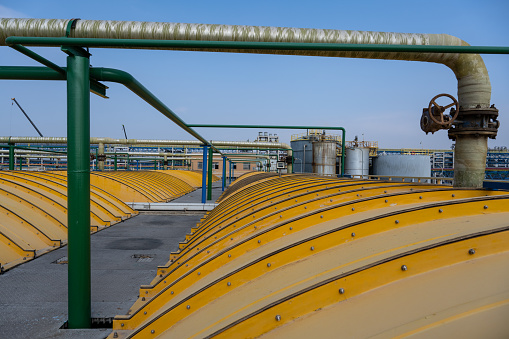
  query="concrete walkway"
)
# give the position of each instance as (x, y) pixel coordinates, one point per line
(33, 296)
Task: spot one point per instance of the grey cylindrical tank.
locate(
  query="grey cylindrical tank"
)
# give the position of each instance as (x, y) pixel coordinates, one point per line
(324, 157)
(402, 165)
(357, 161)
(303, 156)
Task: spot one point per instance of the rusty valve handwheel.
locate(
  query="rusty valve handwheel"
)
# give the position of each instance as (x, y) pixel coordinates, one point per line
(441, 109)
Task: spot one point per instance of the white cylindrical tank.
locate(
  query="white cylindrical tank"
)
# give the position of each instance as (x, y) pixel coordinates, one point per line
(402, 165)
(324, 157)
(357, 161)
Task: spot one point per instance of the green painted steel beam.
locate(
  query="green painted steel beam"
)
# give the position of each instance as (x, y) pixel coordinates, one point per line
(244, 45)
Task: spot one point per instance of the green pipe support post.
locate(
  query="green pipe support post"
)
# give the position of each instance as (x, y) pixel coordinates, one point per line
(11, 156)
(204, 175)
(115, 163)
(209, 179)
(78, 187)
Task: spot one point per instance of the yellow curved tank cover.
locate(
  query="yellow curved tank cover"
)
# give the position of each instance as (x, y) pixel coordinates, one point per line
(298, 256)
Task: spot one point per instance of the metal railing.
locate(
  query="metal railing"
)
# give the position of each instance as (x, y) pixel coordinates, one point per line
(428, 180)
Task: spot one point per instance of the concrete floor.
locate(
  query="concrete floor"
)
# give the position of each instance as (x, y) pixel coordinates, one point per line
(33, 296)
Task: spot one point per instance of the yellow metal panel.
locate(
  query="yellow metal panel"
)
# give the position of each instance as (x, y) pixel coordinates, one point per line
(274, 239)
(103, 200)
(306, 263)
(12, 254)
(99, 216)
(468, 299)
(123, 191)
(44, 223)
(34, 209)
(143, 186)
(190, 177)
(258, 224)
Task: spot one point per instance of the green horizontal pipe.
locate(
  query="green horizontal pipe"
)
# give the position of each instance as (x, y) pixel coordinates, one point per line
(100, 74)
(96, 87)
(140, 43)
(126, 79)
(29, 73)
(267, 126)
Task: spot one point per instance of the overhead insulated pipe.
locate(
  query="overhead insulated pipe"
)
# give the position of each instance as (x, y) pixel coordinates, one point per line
(148, 142)
(474, 89)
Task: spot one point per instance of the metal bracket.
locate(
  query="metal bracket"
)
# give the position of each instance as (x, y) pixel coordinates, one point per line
(70, 26)
(75, 51)
(95, 86)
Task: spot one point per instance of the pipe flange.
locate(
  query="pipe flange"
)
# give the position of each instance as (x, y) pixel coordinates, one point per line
(476, 122)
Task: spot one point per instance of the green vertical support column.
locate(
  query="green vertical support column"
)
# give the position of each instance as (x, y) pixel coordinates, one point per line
(209, 181)
(78, 187)
(127, 163)
(343, 137)
(204, 176)
(11, 156)
(115, 163)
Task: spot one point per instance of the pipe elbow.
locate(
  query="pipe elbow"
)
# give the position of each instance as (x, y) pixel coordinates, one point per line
(113, 75)
(474, 87)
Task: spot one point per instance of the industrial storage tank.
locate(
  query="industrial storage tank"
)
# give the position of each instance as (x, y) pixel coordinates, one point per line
(324, 157)
(303, 156)
(402, 165)
(357, 161)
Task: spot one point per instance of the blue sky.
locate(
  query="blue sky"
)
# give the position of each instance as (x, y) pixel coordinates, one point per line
(377, 100)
